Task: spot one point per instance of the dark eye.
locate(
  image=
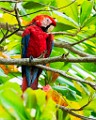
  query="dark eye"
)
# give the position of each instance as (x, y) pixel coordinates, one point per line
(47, 20)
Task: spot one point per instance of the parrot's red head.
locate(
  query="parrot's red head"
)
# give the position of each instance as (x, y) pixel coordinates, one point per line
(46, 22)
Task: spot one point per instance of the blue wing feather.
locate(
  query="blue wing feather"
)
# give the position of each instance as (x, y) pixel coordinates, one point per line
(25, 41)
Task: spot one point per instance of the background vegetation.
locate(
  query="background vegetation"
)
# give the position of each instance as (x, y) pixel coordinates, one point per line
(71, 66)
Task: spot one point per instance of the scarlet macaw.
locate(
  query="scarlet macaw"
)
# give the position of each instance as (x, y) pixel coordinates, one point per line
(35, 43)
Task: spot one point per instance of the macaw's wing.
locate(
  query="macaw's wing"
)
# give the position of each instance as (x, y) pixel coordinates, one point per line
(50, 44)
(29, 72)
(24, 45)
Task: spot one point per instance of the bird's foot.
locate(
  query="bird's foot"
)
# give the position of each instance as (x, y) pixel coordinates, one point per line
(43, 54)
(30, 59)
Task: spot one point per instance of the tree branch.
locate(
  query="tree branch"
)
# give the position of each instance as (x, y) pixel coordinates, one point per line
(25, 61)
(3, 25)
(63, 33)
(69, 47)
(62, 73)
(17, 15)
(74, 114)
(12, 1)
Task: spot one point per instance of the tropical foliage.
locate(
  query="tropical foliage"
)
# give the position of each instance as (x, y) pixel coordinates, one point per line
(74, 40)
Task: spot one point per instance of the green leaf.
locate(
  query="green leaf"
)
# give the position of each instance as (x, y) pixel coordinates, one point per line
(49, 111)
(30, 98)
(61, 114)
(91, 67)
(85, 11)
(47, 2)
(80, 1)
(13, 103)
(40, 94)
(13, 86)
(6, 5)
(38, 4)
(62, 27)
(71, 10)
(4, 115)
(64, 16)
(91, 21)
(32, 5)
(66, 92)
(8, 77)
(65, 82)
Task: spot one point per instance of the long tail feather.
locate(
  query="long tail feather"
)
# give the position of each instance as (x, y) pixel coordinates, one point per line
(34, 74)
(30, 77)
(34, 85)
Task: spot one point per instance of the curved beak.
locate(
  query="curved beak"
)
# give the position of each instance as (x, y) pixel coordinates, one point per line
(50, 28)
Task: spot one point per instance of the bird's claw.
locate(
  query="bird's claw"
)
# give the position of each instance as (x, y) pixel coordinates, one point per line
(30, 59)
(43, 54)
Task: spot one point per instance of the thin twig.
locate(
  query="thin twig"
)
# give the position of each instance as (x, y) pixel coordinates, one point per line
(93, 35)
(13, 33)
(2, 32)
(4, 35)
(74, 114)
(34, 12)
(63, 33)
(7, 11)
(12, 28)
(17, 15)
(63, 6)
(81, 108)
(19, 24)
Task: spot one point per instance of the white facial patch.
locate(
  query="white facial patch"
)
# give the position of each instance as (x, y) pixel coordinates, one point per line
(46, 22)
